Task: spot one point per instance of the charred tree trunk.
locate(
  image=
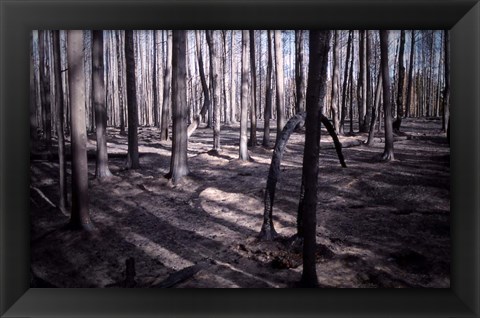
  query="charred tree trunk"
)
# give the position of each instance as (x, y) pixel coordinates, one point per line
(410, 76)
(375, 108)
(268, 94)
(351, 83)
(317, 77)
(334, 100)
(80, 218)
(62, 169)
(233, 80)
(102, 171)
(245, 100)
(206, 94)
(253, 110)
(341, 129)
(215, 74)
(446, 92)
(45, 92)
(280, 92)
(299, 74)
(178, 163)
(120, 82)
(387, 106)
(132, 155)
(33, 99)
(401, 79)
(166, 89)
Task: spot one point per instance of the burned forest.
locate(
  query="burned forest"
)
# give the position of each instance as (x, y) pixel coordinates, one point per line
(240, 158)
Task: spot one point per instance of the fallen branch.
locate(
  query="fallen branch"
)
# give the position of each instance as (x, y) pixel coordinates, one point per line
(43, 196)
(181, 275)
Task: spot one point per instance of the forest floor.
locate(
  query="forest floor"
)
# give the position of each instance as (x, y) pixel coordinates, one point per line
(379, 224)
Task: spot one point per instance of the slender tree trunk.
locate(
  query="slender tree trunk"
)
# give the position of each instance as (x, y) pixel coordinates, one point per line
(410, 76)
(62, 169)
(368, 86)
(206, 94)
(178, 163)
(316, 87)
(299, 74)
(341, 129)
(378, 92)
(279, 81)
(268, 94)
(253, 110)
(446, 92)
(121, 90)
(401, 79)
(80, 218)
(388, 152)
(351, 82)
(334, 101)
(132, 156)
(167, 89)
(243, 151)
(33, 99)
(45, 92)
(215, 74)
(156, 121)
(233, 80)
(102, 171)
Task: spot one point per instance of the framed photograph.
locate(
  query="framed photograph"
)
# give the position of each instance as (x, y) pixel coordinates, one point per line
(456, 294)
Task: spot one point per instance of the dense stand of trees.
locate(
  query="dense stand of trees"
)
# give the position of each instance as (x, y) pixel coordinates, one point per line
(88, 81)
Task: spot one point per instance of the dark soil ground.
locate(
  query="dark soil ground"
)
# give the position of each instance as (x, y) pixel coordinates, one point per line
(379, 224)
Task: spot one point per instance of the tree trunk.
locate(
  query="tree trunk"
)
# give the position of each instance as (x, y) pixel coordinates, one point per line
(45, 92)
(233, 80)
(410, 76)
(446, 92)
(253, 110)
(362, 83)
(401, 79)
(62, 169)
(280, 101)
(132, 156)
(167, 89)
(334, 101)
(351, 83)
(206, 94)
(33, 99)
(387, 106)
(156, 121)
(102, 171)
(375, 108)
(215, 75)
(121, 90)
(316, 87)
(299, 74)
(80, 218)
(178, 163)
(341, 129)
(268, 94)
(243, 151)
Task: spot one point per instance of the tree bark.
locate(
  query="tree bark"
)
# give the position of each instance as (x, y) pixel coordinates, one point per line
(80, 218)
(45, 92)
(341, 129)
(268, 94)
(334, 101)
(280, 92)
(166, 89)
(299, 74)
(215, 74)
(446, 92)
(233, 80)
(319, 47)
(178, 163)
(253, 110)
(387, 106)
(245, 100)
(401, 78)
(121, 90)
(62, 168)
(378, 92)
(410, 76)
(102, 171)
(132, 156)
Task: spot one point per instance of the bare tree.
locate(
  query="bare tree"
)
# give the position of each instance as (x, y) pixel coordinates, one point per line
(410, 75)
(102, 171)
(80, 217)
(334, 100)
(268, 94)
(279, 81)
(316, 87)
(401, 79)
(45, 91)
(253, 110)
(387, 106)
(243, 150)
(133, 161)
(343, 112)
(446, 91)
(299, 74)
(178, 162)
(167, 80)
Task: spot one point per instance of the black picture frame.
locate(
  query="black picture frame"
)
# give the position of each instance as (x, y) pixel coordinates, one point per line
(18, 18)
